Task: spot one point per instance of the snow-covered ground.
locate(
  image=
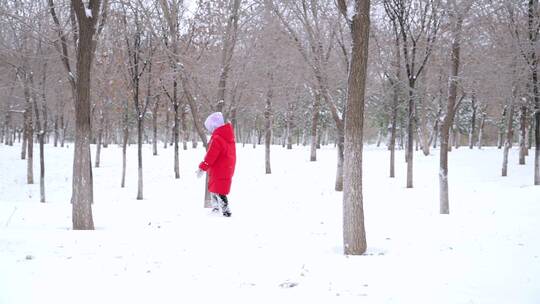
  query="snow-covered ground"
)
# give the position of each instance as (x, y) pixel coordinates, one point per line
(283, 243)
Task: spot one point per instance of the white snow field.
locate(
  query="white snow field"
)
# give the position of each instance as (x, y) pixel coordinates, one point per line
(283, 243)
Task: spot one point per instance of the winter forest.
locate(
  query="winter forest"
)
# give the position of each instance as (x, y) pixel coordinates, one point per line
(387, 151)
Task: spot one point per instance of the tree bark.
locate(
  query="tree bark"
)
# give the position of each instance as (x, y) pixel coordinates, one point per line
(176, 136)
(154, 126)
(289, 125)
(167, 128)
(268, 127)
(41, 168)
(83, 197)
(410, 136)
(41, 126)
(523, 135)
(423, 137)
(500, 134)
(99, 141)
(444, 204)
(314, 123)
(481, 131)
(354, 235)
(140, 130)
(24, 135)
(509, 137)
(472, 128)
(395, 103)
(125, 143)
(185, 133)
(533, 65)
(340, 159)
(29, 130)
(56, 131)
(530, 134)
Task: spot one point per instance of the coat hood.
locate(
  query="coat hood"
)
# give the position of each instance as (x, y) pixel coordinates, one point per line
(214, 121)
(226, 132)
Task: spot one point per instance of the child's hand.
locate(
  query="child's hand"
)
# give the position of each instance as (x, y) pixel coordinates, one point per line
(199, 173)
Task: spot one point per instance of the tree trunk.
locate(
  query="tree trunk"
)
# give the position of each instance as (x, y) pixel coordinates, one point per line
(107, 130)
(99, 141)
(56, 131)
(42, 168)
(448, 120)
(537, 141)
(24, 135)
(395, 103)
(185, 133)
(341, 157)
(9, 127)
(314, 123)
(533, 66)
(392, 144)
(290, 123)
(379, 137)
(41, 126)
(167, 128)
(176, 134)
(410, 136)
(29, 129)
(499, 139)
(530, 133)
(194, 141)
(124, 144)
(452, 138)
(501, 128)
(354, 235)
(436, 131)
(422, 129)
(509, 137)
(481, 131)
(154, 126)
(83, 197)
(63, 130)
(423, 138)
(523, 135)
(268, 128)
(473, 123)
(140, 128)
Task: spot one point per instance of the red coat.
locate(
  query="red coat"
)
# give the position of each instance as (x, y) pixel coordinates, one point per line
(220, 160)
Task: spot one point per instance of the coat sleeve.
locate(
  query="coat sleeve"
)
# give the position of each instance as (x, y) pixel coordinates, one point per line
(216, 146)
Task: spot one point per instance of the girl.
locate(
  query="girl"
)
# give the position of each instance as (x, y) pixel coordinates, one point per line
(219, 161)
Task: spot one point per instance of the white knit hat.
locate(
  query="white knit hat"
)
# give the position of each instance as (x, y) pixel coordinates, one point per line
(214, 121)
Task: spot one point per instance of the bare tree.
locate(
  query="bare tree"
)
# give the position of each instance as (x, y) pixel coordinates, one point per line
(457, 11)
(137, 65)
(87, 35)
(354, 235)
(268, 116)
(418, 24)
(310, 15)
(509, 130)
